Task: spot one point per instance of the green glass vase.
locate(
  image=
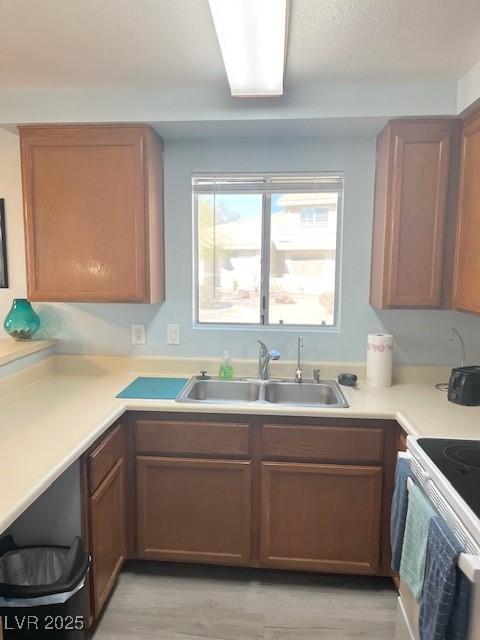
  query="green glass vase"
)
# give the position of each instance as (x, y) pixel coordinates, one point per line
(22, 323)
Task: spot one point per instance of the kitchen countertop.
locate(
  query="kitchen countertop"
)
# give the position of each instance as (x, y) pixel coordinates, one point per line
(51, 413)
(11, 350)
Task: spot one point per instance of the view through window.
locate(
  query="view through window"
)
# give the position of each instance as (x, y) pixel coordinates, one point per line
(266, 248)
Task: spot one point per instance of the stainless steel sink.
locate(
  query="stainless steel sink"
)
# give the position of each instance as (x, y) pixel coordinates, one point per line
(220, 391)
(325, 393)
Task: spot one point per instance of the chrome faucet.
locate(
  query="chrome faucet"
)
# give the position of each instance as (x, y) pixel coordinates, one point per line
(264, 357)
(299, 372)
(462, 344)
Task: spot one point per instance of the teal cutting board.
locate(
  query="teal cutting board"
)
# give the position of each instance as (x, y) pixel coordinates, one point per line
(153, 388)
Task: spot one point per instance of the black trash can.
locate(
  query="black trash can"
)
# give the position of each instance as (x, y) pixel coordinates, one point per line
(42, 591)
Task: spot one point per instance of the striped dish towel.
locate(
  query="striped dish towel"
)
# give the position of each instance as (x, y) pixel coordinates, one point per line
(412, 566)
(444, 609)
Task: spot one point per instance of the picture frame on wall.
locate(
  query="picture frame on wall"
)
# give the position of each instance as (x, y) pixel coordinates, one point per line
(3, 248)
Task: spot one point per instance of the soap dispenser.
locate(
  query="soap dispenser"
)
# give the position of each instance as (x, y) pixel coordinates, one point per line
(226, 367)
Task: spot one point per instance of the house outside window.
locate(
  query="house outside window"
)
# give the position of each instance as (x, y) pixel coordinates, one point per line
(267, 249)
(312, 215)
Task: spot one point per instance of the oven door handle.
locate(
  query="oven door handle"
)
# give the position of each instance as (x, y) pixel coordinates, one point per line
(416, 469)
(470, 566)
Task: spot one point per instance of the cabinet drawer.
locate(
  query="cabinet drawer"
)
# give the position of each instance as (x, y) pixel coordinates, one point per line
(104, 457)
(322, 444)
(213, 439)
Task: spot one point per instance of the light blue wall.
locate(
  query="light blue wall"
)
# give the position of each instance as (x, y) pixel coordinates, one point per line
(421, 336)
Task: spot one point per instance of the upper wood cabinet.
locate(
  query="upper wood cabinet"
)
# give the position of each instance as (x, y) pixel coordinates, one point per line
(93, 206)
(416, 186)
(467, 263)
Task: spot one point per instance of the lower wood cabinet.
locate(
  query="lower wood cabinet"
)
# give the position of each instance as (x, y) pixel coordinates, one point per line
(105, 523)
(108, 533)
(304, 494)
(322, 517)
(193, 510)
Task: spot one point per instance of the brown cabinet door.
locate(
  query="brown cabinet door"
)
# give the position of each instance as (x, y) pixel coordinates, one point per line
(415, 200)
(108, 533)
(467, 272)
(320, 517)
(87, 195)
(193, 510)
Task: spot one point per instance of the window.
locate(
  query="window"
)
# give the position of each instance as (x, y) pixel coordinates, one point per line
(267, 248)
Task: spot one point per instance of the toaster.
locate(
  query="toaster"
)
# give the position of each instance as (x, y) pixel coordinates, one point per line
(464, 385)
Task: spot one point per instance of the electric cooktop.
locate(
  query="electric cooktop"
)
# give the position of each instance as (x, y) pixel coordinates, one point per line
(459, 461)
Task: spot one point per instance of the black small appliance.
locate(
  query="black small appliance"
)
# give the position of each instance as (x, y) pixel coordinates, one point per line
(464, 386)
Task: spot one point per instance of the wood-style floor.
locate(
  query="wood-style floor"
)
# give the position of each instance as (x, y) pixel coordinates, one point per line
(184, 602)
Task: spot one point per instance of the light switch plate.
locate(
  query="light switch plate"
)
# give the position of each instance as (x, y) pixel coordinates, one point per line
(173, 334)
(138, 334)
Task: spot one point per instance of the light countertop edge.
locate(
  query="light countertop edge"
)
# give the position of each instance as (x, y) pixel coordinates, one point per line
(11, 350)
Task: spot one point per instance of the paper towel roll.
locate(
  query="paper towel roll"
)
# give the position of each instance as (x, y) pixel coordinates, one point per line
(379, 359)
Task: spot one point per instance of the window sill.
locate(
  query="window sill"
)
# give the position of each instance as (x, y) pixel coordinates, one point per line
(305, 328)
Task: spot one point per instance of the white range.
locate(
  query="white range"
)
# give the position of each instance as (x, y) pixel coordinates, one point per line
(448, 470)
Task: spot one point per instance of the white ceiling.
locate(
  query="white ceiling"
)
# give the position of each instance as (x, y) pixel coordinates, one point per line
(385, 40)
(164, 44)
(139, 43)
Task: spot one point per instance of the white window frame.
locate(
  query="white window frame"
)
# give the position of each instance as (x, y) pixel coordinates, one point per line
(286, 182)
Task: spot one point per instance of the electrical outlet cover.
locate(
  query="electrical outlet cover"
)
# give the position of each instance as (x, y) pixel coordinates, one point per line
(138, 334)
(173, 334)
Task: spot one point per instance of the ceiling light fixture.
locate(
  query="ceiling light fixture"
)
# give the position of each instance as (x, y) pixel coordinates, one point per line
(253, 40)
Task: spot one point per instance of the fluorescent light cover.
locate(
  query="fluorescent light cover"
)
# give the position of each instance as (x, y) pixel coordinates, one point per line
(252, 37)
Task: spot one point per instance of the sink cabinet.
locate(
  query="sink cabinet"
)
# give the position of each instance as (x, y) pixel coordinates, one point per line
(193, 510)
(321, 496)
(309, 494)
(193, 490)
(320, 517)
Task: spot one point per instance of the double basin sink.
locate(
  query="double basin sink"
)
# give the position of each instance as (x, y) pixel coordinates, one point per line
(325, 393)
